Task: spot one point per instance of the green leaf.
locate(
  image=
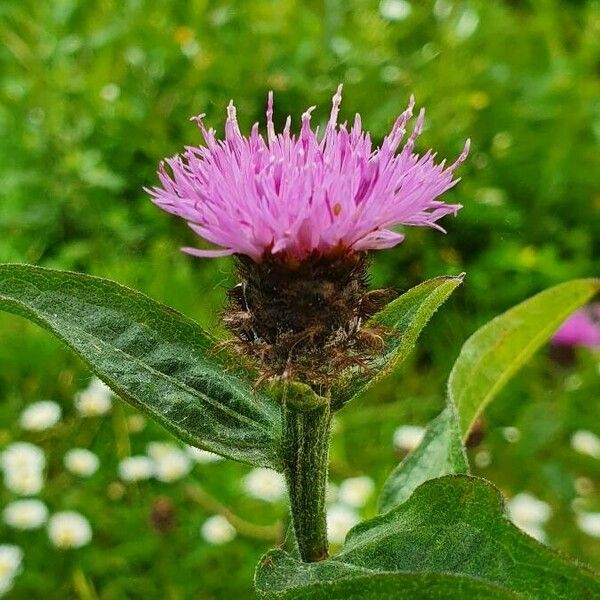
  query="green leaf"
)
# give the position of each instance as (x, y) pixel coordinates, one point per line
(452, 533)
(403, 319)
(486, 362)
(156, 359)
(440, 453)
(493, 354)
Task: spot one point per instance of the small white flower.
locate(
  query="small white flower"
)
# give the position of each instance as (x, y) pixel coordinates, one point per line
(156, 450)
(173, 467)
(82, 462)
(23, 465)
(95, 400)
(511, 434)
(11, 558)
(136, 468)
(171, 463)
(23, 455)
(529, 514)
(136, 423)
(202, 456)
(40, 415)
(24, 483)
(218, 530)
(483, 459)
(589, 523)
(586, 442)
(356, 491)
(395, 10)
(25, 514)
(408, 437)
(340, 520)
(69, 529)
(534, 530)
(265, 484)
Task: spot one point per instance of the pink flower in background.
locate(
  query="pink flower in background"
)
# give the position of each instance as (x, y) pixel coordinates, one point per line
(582, 328)
(297, 195)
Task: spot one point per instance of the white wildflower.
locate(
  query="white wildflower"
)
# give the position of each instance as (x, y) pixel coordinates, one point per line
(586, 442)
(202, 456)
(529, 514)
(23, 465)
(25, 514)
(218, 530)
(95, 400)
(265, 484)
(356, 491)
(136, 468)
(589, 523)
(82, 462)
(11, 558)
(24, 483)
(408, 437)
(171, 463)
(136, 423)
(40, 415)
(156, 450)
(69, 529)
(340, 520)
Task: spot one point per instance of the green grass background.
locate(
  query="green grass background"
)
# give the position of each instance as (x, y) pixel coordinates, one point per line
(93, 94)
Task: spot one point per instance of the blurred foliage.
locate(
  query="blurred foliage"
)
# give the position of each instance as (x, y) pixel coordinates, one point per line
(93, 95)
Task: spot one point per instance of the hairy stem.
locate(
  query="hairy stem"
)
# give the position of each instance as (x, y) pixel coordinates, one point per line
(306, 455)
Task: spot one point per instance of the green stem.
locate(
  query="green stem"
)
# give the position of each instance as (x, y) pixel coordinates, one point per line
(306, 455)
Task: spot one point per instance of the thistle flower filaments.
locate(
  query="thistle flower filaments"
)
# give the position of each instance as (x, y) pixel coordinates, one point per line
(300, 212)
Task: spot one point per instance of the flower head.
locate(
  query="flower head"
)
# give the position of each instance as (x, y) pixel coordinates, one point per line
(11, 559)
(171, 463)
(81, 461)
(95, 400)
(25, 514)
(136, 468)
(529, 514)
(23, 465)
(69, 529)
(218, 530)
(302, 194)
(300, 213)
(582, 328)
(340, 520)
(40, 416)
(265, 484)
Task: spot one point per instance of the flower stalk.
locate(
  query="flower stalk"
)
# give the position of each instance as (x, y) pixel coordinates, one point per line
(306, 432)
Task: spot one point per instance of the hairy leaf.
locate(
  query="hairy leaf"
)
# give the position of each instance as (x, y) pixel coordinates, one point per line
(487, 361)
(403, 320)
(153, 357)
(440, 453)
(452, 532)
(494, 353)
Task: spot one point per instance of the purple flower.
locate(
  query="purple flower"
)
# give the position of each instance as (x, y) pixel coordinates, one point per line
(300, 195)
(582, 328)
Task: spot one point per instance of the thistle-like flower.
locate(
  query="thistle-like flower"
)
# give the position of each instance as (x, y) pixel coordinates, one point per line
(300, 213)
(582, 328)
